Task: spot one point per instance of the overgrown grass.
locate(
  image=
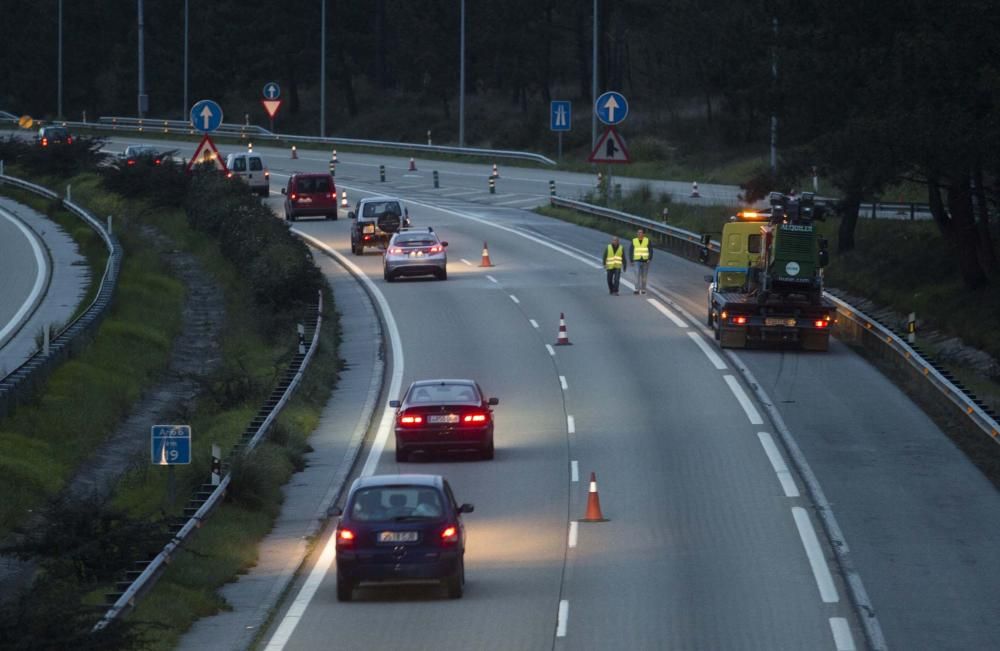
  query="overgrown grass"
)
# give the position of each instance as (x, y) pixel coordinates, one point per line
(226, 545)
(44, 441)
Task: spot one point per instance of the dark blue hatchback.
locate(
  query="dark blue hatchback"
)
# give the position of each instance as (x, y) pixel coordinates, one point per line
(401, 528)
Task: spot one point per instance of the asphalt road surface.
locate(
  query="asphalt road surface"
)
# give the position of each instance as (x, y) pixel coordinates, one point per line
(24, 273)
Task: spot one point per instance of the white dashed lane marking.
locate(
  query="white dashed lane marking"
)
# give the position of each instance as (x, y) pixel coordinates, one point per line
(741, 395)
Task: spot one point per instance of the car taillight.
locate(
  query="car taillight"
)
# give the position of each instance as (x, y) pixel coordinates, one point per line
(293, 197)
(820, 323)
(396, 250)
(411, 420)
(45, 142)
(739, 320)
(345, 537)
(436, 248)
(229, 175)
(449, 536)
(69, 140)
(157, 161)
(329, 196)
(267, 175)
(131, 163)
(474, 418)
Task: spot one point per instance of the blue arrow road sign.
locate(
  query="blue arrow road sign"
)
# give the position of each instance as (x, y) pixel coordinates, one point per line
(272, 90)
(611, 108)
(560, 115)
(170, 445)
(206, 115)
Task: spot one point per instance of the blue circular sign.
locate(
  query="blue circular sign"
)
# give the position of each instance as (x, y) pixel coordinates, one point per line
(271, 90)
(611, 108)
(206, 115)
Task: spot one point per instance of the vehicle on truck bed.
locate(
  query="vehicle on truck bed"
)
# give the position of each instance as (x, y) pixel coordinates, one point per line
(768, 285)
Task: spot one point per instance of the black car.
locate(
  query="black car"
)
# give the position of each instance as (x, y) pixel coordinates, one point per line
(135, 155)
(48, 136)
(444, 415)
(400, 529)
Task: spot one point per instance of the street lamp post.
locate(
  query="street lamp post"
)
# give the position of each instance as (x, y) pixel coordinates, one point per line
(774, 110)
(322, 68)
(59, 106)
(143, 98)
(461, 76)
(184, 112)
(593, 87)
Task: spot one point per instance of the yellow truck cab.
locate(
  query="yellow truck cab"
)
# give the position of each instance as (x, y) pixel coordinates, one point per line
(740, 247)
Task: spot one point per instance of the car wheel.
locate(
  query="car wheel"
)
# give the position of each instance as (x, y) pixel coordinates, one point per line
(265, 192)
(709, 319)
(401, 455)
(333, 216)
(455, 584)
(488, 452)
(443, 274)
(359, 249)
(345, 589)
(388, 276)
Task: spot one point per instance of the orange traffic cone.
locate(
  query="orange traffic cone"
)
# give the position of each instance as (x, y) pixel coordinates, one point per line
(295, 154)
(413, 165)
(562, 339)
(694, 190)
(343, 199)
(593, 503)
(486, 257)
(496, 172)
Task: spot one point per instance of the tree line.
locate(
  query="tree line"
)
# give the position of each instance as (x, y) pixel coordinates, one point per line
(874, 95)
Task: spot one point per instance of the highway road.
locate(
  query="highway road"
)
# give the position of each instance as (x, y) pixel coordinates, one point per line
(708, 544)
(26, 273)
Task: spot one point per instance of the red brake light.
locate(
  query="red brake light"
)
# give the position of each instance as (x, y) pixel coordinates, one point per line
(157, 161)
(396, 250)
(820, 323)
(267, 175)
(293, 196)
(474, 418)
(449, 535)
(409, 419)
(740, 320)
(131, 162)
(344, 537)
(436, 248)
(229, 175)
(69, 140)
(45, 142)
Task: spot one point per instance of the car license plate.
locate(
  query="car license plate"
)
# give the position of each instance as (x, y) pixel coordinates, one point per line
(305, 200)
(397, 536)
(780, 322)
(442, 418)
(416, 254)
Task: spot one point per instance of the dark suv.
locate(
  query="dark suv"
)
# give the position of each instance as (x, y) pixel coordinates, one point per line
(54, 136)
(310, 195)
(375, 220)
(400, 528)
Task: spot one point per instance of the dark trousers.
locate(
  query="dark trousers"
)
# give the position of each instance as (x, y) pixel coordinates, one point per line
(614, 277)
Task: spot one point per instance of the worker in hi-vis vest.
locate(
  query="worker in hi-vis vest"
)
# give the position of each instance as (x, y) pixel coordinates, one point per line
(642, 253)
(614, 262)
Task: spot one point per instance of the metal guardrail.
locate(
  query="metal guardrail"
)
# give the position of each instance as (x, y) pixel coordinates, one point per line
(244, 131)
(147, 578)
(19, 384)
(689, 244)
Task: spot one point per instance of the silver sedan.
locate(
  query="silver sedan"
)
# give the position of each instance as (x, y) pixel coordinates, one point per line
(415, 252)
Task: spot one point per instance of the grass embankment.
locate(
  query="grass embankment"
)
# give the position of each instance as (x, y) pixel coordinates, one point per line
(42, 443)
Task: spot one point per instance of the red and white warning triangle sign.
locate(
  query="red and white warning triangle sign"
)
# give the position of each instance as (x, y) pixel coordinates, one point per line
(207, 153)
(271, 106)
(610, 148)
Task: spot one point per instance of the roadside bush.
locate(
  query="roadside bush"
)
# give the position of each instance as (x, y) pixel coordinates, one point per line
(162, 185)
(257, 478)
(83, 154)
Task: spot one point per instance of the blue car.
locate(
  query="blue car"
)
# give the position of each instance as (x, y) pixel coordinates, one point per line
(400, 529)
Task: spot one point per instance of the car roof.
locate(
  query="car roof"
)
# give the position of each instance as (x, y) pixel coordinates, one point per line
(425, 383)
(380, 199)
(300, 175)
(436, 481)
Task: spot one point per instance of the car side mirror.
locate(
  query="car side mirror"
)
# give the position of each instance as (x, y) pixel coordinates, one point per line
(493, 401)
(444, 243)
(394, 404)
(334, 512)
(283, 191)
(708, 278)
(467, 508)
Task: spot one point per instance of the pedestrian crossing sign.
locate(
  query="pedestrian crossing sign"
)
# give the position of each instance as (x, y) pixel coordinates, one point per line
(610, 148)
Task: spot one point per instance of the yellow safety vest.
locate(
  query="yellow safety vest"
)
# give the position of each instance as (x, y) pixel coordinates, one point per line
(640, 248)
(613, 260)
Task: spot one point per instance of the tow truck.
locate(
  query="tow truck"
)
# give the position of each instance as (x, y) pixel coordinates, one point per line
(768, 286)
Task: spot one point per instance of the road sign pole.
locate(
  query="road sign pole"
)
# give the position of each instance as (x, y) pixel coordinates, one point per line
(171, 487)
(560, 146)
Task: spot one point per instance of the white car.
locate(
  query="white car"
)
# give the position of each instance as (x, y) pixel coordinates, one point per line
(252, 170)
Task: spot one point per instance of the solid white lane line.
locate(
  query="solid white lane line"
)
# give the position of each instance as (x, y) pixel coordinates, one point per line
(40, 278)
(563, 618)
(574, 470)
(562, 382)
(827, 590)
(322, 567)
(842, 634)
(552, 351)
(665, 311)
(574, 533)
(466, 262)
(741, 395)
(491, 278)
(513, 201)
(780, 469)
(534, 324)
(709, 353)
(571, 424)
(514, 298)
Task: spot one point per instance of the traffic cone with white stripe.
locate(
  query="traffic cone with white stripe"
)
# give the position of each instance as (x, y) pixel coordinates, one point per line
(413, 165)
(562, 339)
(593, 503)
(333, 158)
(295, 154)
(486, 257)
(496, 173)
(694, 190)
(343, 199)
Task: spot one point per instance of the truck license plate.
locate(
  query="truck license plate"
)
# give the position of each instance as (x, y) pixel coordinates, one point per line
(779, 322)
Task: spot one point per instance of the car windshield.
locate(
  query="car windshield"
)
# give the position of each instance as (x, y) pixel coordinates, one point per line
(56, 132)
(375, 208)
(434, 394)
(396, 504)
